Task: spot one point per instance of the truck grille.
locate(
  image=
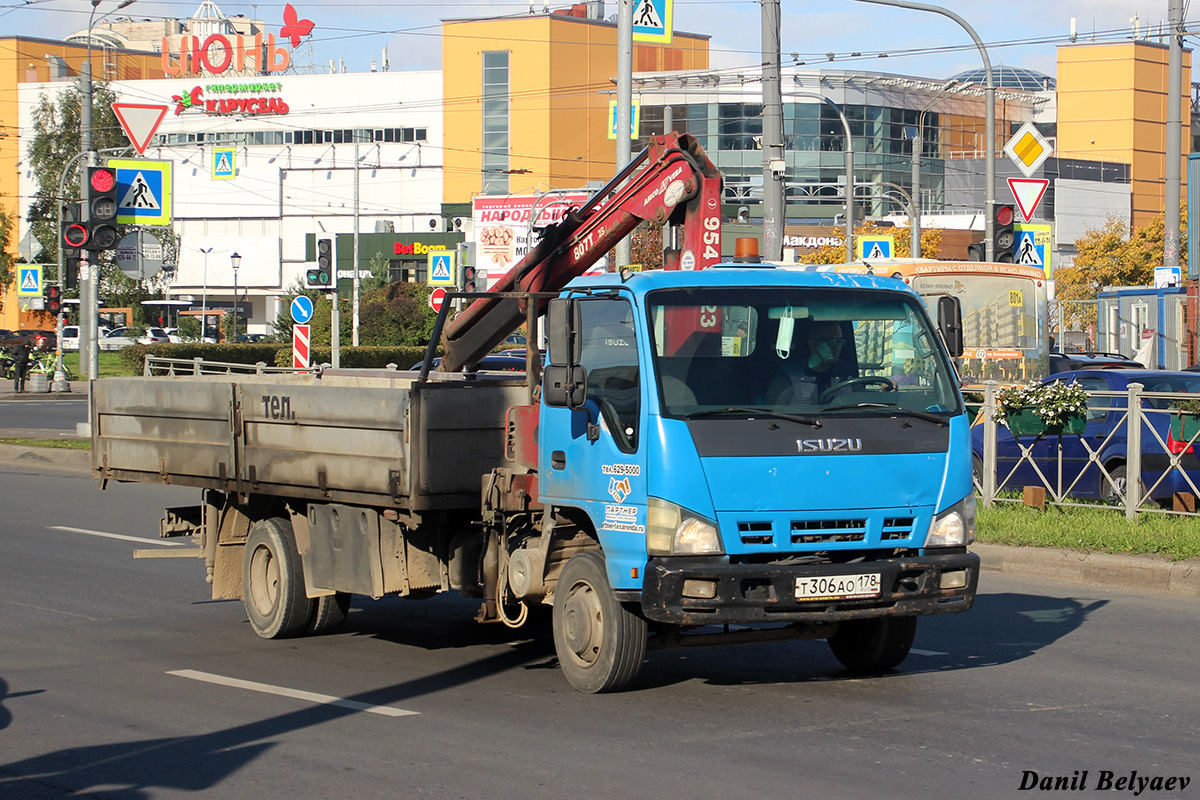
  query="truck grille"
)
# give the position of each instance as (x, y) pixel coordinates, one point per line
(760, 533)
(818, 531)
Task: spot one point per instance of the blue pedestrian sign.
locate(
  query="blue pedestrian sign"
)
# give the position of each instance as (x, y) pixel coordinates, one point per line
(143, 191)
(873, 248)
(302, 309)
(29, 281)
(441, 268)
(653, 21)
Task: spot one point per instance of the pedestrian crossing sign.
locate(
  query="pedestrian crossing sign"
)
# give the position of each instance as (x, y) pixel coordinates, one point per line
(143, 191)
(653, 21)
(29, 280)
(224, 164)
(1031, 246)
(873, 248)
(441, 268)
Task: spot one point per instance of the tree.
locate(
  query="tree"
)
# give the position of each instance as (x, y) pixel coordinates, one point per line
(7, 226)
(1111, 256)
(931, 244)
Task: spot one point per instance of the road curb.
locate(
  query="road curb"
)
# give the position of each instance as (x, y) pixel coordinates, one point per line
(1141, 572)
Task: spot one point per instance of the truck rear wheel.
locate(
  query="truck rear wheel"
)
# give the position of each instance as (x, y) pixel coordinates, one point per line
(329, 613)
(867, 646)
(273, 581)
(600, 643)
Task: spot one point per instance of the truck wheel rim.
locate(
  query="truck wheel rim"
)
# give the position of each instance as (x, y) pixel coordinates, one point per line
(264, 581)
(583, 624)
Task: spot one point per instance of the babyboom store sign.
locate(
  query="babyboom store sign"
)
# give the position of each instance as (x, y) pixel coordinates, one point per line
(218, 53)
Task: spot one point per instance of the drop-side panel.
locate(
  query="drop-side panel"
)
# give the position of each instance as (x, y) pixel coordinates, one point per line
(462, 434)
(166, 428)
(330, 438)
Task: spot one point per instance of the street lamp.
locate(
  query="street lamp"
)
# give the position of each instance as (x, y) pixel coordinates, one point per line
(236, 260)
(849, 170)
(204, 296)
(989, 135)
(918, 146)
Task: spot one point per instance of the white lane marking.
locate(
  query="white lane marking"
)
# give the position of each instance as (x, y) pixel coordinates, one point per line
(926, 652)
(140, 539)
(297, 694)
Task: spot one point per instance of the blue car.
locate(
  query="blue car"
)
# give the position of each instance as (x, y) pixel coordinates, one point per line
(1105, 416)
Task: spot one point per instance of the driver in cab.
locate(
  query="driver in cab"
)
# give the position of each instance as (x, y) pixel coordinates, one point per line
(820, 367)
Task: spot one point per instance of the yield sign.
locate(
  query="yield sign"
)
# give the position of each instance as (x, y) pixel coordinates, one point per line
(140, 121)
(1028, 192)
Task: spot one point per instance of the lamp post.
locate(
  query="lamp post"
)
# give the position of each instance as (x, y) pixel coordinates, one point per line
(989, 135)
(236, 260)
(849, 170)
(918, 145)
(204, 296)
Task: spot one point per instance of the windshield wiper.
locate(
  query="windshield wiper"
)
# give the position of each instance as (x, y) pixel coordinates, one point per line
(925, 415)
(758, 412)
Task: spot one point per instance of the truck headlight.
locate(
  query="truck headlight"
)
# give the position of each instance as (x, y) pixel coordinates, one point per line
(672, 530)
(954, 527)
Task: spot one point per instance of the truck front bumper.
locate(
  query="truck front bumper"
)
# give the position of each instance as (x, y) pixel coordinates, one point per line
(757, 593)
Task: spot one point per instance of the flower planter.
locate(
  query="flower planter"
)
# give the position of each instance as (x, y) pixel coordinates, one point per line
(1184, 426)
(1026, 422)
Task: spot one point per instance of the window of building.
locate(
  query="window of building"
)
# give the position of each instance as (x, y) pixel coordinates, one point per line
(495, 122)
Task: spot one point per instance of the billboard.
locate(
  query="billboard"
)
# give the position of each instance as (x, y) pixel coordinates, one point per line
(504, 226)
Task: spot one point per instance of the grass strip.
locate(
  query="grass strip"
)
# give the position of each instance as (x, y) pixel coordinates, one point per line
(1101, 530)
(60, 444)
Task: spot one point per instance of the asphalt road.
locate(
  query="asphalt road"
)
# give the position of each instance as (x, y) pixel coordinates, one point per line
(119, 679)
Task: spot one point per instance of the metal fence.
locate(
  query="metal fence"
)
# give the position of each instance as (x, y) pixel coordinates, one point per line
(1120, 470)
(168, 367)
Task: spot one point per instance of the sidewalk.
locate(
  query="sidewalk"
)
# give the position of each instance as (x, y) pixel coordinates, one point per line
(78, 389)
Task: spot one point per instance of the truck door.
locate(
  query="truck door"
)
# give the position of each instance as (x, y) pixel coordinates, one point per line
(593, 456)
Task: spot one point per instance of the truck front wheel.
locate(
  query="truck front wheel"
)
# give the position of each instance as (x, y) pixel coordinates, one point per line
(600, 643)
(273, 581)
(866, 646)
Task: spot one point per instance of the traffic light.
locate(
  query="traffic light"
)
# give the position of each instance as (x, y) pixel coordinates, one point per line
(54, 300)
(102, 209)
(321, 277)
(70, 276)
(74, 233)
(1003, 219)
(976, 252)
(470, 276)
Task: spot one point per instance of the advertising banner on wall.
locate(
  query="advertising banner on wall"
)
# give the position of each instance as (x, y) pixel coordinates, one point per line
(504, 226)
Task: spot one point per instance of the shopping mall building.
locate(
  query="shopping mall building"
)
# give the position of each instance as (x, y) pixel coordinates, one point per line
(263, 158)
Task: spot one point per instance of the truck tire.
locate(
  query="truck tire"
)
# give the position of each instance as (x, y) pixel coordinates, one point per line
(868, 646)
(273, 581)
(600, 643)
(329, 612)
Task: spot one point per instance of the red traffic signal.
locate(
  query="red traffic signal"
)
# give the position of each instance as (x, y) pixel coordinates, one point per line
(74, 234)
(102, 208)
(102, 179)
(54, 299)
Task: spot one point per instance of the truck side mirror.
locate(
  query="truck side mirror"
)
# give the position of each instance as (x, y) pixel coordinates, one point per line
(949, 313)
(563, 324)
(564, 387)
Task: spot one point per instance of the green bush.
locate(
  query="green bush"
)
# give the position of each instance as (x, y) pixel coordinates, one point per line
(134, 358)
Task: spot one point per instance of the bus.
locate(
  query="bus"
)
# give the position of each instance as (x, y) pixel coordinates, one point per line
(1004, 312)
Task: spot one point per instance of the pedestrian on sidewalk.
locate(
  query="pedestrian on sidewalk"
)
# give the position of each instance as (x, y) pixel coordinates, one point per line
(20, 366)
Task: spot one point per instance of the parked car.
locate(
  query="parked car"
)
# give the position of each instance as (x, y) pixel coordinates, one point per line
(253, 338)
(1106, 433)
(120, 338)
(38, 340)
(70, 338)
(173, 336)
(1065, 362)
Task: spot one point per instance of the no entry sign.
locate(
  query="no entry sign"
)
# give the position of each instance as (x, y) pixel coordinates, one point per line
(436, 298)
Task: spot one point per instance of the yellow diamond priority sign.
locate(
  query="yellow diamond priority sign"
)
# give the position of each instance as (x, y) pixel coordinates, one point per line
(1028, 149)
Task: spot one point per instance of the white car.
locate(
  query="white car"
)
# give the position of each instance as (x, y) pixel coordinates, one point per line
(70, 338)
(120, 338)
(173, 335)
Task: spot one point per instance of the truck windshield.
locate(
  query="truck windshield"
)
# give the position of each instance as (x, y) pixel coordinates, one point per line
(796, 351)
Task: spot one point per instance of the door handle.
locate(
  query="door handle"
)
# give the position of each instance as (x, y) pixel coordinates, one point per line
(558, 460)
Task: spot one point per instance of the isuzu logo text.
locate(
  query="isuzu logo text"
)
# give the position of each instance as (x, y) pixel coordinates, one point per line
(808, 446)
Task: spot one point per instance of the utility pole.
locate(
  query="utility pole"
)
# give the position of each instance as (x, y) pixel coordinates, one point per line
(774, 165)
(624, 103)
(1174, 136)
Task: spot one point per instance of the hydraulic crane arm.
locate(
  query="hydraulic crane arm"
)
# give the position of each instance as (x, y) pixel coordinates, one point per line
(671, 181)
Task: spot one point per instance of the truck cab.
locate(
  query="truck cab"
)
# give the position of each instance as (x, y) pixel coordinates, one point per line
(755, 445)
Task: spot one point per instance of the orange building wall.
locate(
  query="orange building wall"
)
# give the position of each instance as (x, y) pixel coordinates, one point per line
(1112, 104)
(562, 71)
